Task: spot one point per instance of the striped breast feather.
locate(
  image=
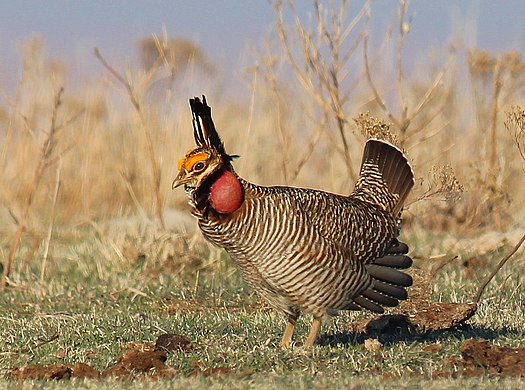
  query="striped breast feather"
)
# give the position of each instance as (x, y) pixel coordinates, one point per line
(312, 247)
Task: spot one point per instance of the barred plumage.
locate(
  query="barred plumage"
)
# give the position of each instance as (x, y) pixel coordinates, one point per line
(304, 250)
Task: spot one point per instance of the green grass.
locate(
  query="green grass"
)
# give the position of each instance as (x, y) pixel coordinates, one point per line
(96, 301)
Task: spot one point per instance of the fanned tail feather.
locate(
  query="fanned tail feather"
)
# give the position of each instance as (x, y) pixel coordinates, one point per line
(385, 178)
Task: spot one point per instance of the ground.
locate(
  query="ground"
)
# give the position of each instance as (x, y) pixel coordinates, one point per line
(132, 308)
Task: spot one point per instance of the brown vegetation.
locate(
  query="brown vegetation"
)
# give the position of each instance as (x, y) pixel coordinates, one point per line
(116, 155)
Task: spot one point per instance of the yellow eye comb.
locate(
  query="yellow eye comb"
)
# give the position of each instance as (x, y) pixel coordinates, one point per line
(188, 162)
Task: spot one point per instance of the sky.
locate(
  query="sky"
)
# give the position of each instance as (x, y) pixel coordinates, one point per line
(225, 29)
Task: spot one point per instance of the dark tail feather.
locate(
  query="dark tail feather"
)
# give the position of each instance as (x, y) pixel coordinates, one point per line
(376, 296)
(388, 283)
(368, 304)
(398, 247)
(396, 292)
(389, 275)
(385, 178)
(394, 261)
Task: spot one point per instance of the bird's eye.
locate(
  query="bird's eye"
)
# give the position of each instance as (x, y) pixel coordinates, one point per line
(198, 167)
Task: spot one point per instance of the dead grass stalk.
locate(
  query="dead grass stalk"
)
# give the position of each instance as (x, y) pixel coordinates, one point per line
(47, 158)
(321, 66)
(133, 95)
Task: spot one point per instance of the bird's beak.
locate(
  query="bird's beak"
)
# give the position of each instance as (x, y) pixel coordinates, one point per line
(179, 180)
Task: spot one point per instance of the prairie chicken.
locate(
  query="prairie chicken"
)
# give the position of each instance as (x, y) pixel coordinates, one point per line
(304, 250)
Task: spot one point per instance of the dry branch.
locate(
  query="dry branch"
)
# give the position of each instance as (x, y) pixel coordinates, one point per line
(515, 124)
(45, 160)
(319, 67)
(481, 289)
(135, 101)
(406, 115)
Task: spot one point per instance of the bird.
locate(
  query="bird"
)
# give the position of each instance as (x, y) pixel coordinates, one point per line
(304, 251)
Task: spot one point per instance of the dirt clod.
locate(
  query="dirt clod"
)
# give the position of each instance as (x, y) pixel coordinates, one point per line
(432, 316)
(168, 342)
(480, 357)
(138, 360)
(55, 372)
(141, 362)
(82, 370)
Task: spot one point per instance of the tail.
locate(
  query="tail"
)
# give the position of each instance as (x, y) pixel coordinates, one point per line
(388, 283)
(385, 178)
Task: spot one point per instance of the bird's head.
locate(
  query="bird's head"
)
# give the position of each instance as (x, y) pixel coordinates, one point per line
(206, 171)
(196, 166)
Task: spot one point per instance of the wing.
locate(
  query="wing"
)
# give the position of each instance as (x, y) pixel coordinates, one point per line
(351, 224)
(367, 236)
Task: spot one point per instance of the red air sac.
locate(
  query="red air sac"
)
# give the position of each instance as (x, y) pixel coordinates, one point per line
(226, 193)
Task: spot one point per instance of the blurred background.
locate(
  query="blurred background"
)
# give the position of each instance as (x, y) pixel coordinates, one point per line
(94, 105)
(227, 31)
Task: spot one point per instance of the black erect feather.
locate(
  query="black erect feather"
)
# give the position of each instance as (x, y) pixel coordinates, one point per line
(196, 110)
(204, 130)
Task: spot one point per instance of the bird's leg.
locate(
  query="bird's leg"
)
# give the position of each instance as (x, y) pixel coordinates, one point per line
(314, 332)
(288, 331)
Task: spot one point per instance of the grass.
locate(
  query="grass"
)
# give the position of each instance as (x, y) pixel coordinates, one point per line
(91, 319)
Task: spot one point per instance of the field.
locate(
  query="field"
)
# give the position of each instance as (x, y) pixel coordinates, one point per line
(105, 280)
(107, 296)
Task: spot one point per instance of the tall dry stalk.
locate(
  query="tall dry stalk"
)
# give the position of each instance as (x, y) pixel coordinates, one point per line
(133, 95)
(515, 125)
(404, 114)
(496, 82)
(52, 221)
(47, 157)
(321, 66)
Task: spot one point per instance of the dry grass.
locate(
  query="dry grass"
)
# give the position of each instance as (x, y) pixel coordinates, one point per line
(121, 136)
